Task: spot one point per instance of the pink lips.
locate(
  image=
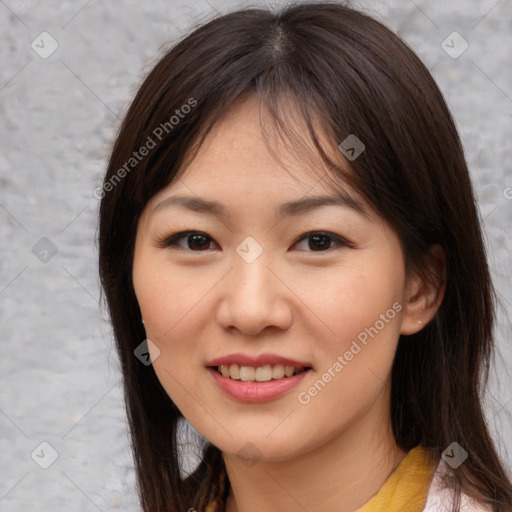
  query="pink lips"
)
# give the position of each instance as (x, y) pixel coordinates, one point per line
(256, 391)
(261, 360)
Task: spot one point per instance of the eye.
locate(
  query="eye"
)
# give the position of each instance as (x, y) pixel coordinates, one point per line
(193, 239)
(196, 241)
(320, 241)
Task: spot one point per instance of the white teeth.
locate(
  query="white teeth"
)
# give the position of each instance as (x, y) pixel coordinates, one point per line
(278, 371)
(234, 371)
(289, 371)
(263, 373)
(247, 373)
(259, 374)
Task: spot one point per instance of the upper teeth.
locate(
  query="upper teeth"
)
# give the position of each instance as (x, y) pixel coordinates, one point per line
(260, 374)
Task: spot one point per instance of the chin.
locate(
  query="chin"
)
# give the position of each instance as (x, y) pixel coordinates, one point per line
(257, 445)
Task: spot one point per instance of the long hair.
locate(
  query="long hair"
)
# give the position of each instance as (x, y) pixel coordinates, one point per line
(345, 73)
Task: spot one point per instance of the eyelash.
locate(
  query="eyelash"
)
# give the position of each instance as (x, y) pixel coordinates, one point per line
(170, 242)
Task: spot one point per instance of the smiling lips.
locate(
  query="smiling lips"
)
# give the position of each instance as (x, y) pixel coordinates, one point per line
(257, 379)
(258, 374)
(263, 368)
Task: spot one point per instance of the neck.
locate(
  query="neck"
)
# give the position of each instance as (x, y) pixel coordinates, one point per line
(341, 474)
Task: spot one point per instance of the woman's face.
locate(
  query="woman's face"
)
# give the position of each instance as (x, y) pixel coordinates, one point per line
(251, 282)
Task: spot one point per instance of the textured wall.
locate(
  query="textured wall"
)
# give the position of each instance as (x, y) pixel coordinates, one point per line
(59, 379)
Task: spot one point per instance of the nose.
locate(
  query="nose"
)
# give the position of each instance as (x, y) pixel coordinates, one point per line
(254, 297)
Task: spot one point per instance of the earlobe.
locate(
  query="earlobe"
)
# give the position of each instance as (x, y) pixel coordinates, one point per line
(425, 291)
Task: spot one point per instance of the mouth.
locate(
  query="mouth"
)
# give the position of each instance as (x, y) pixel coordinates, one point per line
(263, 373)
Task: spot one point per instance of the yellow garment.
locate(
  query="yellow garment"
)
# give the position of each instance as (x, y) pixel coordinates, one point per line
(407, 487)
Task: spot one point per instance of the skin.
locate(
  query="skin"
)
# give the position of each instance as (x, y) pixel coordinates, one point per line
(336, 451)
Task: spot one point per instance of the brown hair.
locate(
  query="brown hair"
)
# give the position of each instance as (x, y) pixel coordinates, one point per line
(348, 70)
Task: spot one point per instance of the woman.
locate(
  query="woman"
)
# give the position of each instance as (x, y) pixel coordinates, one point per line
(288, 210)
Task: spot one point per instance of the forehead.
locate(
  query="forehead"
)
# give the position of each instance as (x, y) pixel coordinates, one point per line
(235, 158)
(236, 148)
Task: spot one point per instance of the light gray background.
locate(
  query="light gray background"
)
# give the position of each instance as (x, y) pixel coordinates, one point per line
(60, 381)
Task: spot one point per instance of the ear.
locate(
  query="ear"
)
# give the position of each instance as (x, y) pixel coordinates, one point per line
(424, 291)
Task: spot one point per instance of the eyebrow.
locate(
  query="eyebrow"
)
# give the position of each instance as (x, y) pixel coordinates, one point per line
(291, 208)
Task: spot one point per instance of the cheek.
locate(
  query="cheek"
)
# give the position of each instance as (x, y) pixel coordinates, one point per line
(174, 307)
(361, 316)
(164, 295)
(174, 319)
(353, 303)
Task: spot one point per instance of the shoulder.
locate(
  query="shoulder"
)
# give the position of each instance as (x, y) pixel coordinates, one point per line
(440, 498)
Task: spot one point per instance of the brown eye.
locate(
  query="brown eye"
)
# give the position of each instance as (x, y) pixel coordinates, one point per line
(319, 241)
(195, 241)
